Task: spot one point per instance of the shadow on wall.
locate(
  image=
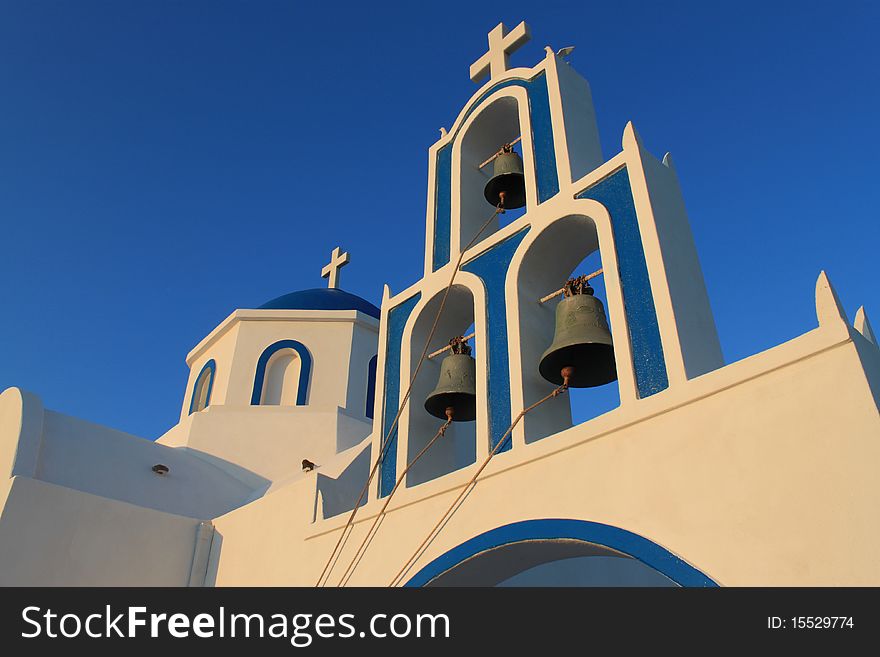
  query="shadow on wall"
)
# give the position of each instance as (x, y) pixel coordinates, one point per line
(214, 559)
(590, 571)
(335, 496)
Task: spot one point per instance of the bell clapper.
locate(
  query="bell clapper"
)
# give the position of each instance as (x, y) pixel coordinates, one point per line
(500, 205)
(450, 413)
(566, 372)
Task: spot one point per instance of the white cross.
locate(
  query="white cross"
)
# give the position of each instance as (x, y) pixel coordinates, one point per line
(337, 261)
(501, 44)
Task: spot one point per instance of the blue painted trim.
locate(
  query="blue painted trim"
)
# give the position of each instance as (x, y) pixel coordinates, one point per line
(542, 137)
(491, 266)
(212, 367)
(371, 387)
(633, 545)
(546, 177)
(615, 193)
(397, 318)
(305, 370)
(443, 208)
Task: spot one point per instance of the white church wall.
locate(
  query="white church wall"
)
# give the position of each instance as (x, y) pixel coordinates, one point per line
(54, 536)
(281, 380)
(21, 432)
(364, 346)
(338, 492)
(276, 525)
(738, 472)
(870, 357)
(222, 351)
(102, 461)
(88, 457)
(328, 335)
(578, 145)
(687, 325)
(272, 441)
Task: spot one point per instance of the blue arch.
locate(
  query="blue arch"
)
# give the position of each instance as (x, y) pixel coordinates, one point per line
(211, 366)
(633, 545)
(305, 370)
(545, 159)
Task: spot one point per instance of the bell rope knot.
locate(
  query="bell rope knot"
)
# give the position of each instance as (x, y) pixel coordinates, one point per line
(577, 285)
(459, 345)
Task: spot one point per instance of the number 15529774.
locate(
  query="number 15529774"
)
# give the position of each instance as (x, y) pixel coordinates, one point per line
(810, 623)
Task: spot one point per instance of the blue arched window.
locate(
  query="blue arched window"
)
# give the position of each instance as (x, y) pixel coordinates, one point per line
(283, 373)
(371, 386)
(201, 394)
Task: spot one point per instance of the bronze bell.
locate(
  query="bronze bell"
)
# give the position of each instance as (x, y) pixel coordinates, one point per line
(507, 180)
(582, 340)
(457, 386)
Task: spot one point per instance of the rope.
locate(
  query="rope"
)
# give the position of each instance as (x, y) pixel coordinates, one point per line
(452, 507)
(343, 537)
(358, 555)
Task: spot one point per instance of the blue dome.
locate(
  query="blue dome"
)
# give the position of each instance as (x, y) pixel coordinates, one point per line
(321, 299)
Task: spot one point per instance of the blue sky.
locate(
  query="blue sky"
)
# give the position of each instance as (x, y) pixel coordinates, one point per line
(163, 163)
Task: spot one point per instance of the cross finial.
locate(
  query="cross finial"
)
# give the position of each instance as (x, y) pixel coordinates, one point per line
(331, 270)
(501, 44)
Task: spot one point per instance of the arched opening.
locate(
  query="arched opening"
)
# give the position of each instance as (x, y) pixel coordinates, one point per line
(555, 552)
(201, 394)
(587, 403)
(283, 374)
(457, 448)
(281, 379)
(589, 571)
(371, 387)
(496, 125)
(566, 248)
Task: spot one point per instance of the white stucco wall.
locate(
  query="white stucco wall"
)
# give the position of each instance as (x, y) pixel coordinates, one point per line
(222, 351)
(117, 465)
(340, 342)
(760, 473)
(55, 536)
(269, 441)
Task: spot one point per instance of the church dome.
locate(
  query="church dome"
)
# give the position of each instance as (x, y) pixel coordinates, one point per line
(321, 299)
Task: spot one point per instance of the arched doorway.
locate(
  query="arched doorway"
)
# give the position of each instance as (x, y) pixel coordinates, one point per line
(541, 552)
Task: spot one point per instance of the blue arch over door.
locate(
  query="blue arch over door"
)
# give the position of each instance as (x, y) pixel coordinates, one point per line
(305, 370)
(633, 545)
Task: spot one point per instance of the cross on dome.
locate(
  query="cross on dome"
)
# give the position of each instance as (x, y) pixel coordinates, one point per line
(331, 269)
(501, 44)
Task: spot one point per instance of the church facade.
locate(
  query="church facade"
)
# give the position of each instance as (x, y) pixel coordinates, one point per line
(305, 453)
